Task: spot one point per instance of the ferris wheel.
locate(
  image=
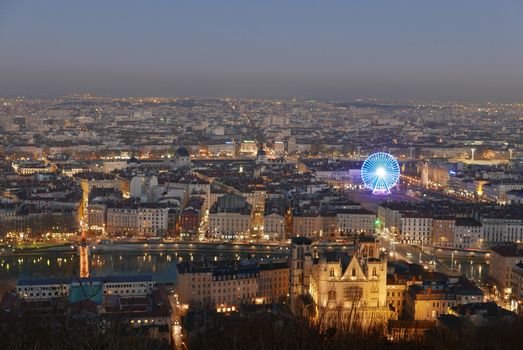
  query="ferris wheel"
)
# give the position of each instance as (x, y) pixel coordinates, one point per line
(380, 172)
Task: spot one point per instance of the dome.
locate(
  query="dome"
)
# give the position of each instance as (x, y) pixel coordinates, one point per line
(182, 152)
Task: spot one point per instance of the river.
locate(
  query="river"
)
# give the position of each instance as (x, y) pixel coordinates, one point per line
(162, 265)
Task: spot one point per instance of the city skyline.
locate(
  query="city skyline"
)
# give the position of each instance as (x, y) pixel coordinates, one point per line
(401, 50)
(245, 174)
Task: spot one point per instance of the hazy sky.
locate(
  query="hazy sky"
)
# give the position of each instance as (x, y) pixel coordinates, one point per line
(426, 49)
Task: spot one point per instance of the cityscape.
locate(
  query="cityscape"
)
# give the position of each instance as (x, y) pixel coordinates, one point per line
(178, 220)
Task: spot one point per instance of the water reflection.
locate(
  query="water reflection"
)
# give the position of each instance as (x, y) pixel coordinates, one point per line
(474, 269)
(161, 265)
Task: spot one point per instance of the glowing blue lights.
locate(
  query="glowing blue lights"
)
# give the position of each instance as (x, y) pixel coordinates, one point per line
(380, 172)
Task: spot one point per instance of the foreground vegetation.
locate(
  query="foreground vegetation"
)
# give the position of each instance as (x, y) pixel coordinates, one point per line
(44, 333)
(261, 332)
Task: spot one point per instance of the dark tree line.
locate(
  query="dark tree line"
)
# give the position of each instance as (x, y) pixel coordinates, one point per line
(42, 333)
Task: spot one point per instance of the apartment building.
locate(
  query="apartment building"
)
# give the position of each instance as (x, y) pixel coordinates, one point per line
(231, 283)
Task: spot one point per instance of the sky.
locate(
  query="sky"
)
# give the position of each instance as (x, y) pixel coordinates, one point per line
(466, 50)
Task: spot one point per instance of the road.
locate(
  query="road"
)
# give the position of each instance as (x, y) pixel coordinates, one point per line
(176, 321)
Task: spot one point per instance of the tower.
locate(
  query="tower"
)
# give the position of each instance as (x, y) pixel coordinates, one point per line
(301, 261)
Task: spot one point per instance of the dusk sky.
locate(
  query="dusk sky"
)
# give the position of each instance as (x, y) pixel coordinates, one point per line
(468, 50)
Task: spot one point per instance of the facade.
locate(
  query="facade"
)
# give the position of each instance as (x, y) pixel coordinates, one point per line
(307, 225)
(329, 229)
(97, 216)
(502, 261)
(7, 212)
(128, 286)
(300, 270)
(191, 216)
(427, 304)
(274, 226)
(32, 167)
(142, 219)
(42, 289)
(273, 284)
(231, 283)
(400, 277)
(502, 228)
(355, 221)
(468, 234)
(517, 288)
(351, 290)
(443, 232)
(49, 288)
(230, 217)
(416, 228)
(433, 297)
(274, 219)
(182, 158)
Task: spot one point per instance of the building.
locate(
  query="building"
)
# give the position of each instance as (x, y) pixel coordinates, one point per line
(307, 224)
(400, 276)
(182, 158)
(274, 219)
(273, 284)
(49, 288)
(90, 180)
(230, 217)
(355, 221)
(135, 218)
(416, 228)
(502, 261)
(468, 234)
(192, 216)
(230, 283)
(443, 231)
(42, 289)
(477, 314)
(300, 272)
(131, 300)
(33, 167)
(517, 288)
(329, 227)
(437, 294)
(97, 216)
(502, 225)
(347, 289)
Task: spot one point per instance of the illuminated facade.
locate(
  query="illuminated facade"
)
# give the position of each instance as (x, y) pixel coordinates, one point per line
(351, 290)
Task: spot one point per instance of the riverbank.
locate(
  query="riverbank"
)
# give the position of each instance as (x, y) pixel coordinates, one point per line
(134, 247)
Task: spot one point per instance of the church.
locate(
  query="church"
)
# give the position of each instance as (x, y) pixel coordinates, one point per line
(349, 291)
(181, 158)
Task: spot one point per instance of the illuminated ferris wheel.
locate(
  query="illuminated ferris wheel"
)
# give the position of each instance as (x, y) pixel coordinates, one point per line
(380, 172)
